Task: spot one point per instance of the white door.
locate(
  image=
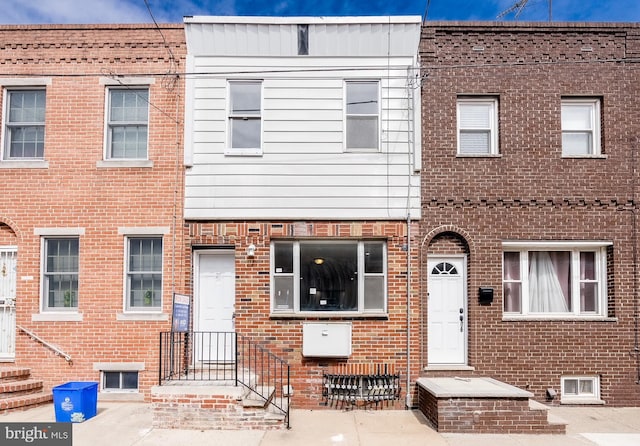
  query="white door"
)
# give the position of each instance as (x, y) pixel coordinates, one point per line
(447, 311)
(215, 305)
(7, 303)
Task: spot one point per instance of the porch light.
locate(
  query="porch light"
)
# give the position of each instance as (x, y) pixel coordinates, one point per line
(251, 250)
(318, 261)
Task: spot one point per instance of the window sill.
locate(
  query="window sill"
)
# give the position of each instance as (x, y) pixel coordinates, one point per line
(55, 317)
(597, 157)
(112, 395)
(243, 152)
(329, 315)
(558, 319)
(116, 164)
(142, 316)
(581, 402)
(449, 368)
(479, 155)
(32, 164)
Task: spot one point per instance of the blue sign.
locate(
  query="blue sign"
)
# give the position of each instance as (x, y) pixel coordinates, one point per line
(181, 312)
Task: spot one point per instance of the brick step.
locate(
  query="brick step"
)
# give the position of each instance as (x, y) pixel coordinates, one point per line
(11, 374)
(23, 402)
(9, 389)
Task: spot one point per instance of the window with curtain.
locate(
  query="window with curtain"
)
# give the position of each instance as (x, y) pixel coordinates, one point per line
(555, 282)
(477, 126)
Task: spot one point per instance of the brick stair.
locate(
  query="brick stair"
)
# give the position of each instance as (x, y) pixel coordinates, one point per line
(18, 391)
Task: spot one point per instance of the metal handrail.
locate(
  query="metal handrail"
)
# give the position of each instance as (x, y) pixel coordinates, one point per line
(228, 357)
(50, 346)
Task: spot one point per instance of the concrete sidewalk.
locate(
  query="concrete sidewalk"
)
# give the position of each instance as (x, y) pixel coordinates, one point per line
(129, 424)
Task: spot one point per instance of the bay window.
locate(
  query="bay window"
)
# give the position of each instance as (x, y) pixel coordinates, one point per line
(328, 276)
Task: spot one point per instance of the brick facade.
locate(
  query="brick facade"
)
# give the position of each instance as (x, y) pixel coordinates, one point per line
(75, 191)
(375, 339)
(530, 192)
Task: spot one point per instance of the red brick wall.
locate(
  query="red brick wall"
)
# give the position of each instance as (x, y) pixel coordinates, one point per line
(529, 192)
(375, 340)
(73, 192)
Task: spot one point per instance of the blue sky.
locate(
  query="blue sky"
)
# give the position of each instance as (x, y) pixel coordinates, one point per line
(135, 11)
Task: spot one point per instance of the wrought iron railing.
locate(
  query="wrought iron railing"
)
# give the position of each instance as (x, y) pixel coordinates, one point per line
(228, 358)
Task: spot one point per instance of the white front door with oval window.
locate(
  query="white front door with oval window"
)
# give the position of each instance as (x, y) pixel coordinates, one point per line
(447, 311)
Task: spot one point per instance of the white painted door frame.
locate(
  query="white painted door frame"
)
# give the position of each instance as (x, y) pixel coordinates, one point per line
(447, 312)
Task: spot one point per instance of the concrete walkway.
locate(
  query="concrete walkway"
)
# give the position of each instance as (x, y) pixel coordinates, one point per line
(129, 424)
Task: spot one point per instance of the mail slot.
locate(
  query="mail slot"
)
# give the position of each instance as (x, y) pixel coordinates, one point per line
(485, 295)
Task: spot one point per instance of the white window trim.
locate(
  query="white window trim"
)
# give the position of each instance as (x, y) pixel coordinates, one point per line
(320, 314)
(253, 151)
(493, 125)
(345, 115)
(581, 399)
(57, 314)
(21, 84)
(118, 390)
(599, 247)
(595, 125)
(124, 84)
(140, 313)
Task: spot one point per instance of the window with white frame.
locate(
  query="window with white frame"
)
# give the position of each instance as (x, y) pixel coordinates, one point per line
(362, 111)
(24, 124)
(60, 273)
(329, 276)
(245, 117)
(555, 280)
(477, 126)
(580, 127)
(127, 123)
(144, 274)
(116, 381)
(580, 388)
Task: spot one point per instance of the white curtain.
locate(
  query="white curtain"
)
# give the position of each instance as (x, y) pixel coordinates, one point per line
(545, 290)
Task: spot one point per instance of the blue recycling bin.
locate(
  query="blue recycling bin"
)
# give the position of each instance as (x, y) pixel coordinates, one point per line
(75, 401)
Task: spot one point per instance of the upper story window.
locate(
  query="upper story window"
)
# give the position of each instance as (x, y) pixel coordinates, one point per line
(60, 273)
(362, 111)
(144, 273)
(555, 281)
(477, 126)
(580, 127)
(329, 276)
(127, 123)
(24, 124)
(245, 117)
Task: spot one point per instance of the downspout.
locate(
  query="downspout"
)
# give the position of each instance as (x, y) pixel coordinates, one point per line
(407, 397)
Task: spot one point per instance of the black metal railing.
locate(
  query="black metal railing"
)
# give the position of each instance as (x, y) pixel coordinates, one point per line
(229, 358)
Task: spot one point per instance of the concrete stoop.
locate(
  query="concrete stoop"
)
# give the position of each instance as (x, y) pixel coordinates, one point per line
(483, 405)
(18, 391)
(206, 406)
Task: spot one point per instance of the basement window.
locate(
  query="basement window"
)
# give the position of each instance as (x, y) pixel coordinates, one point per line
(580, 390)
(119, 381)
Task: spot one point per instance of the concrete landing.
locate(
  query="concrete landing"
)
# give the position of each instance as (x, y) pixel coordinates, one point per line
(471, 388)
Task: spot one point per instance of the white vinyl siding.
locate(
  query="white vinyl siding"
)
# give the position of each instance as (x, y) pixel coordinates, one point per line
(580, 127)
(303, 169)
(477, 126)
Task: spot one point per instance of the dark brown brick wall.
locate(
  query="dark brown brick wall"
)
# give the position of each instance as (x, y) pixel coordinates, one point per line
(529, 192)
